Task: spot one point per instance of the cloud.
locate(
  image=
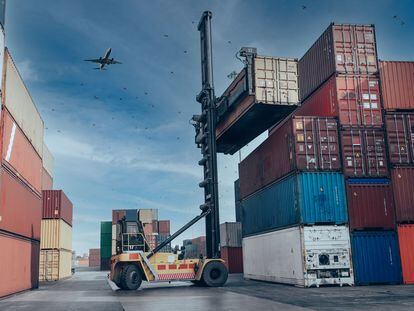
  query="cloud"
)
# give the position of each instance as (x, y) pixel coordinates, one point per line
(27, 71)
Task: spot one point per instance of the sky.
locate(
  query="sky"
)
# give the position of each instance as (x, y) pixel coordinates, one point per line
(121, 138)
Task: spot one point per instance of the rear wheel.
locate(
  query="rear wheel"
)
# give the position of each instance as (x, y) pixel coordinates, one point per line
(215, 274)
(131, 277)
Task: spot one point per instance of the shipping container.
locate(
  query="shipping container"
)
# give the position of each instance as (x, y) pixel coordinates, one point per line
(376, 258)
(303, 256)
(397, 84)
(56, 233)
(19, 268)
(47, 180)
(55, 265)
(402, 184)
(48, 160)
(131, 214)
(2, 43)
(19, 103)
(117, 215)
(147, 215)
(18, 153)
(406, 239)
(106, 241)
(299, 144)
(94, 257)
(233, 258)
(162, 238)
(105, 264)
(20, 208)
(56, 205)
(400, 137)
(237, 199)
(266, 91)
(164, 227)
(230, 234)
(353, 99)
(363, 152)
(370, 203)
(342, 48)
(304, 198)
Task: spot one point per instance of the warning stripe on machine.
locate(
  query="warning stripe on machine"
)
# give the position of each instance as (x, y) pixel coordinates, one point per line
(176, 276)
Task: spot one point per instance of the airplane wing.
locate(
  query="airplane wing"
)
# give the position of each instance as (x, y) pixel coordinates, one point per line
(93, 60)
(113, 62)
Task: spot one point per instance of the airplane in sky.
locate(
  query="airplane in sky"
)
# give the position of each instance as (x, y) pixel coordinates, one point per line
(105, 60)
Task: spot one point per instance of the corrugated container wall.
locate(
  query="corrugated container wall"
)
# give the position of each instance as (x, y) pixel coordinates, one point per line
(370, 203)
(406, 239)
(397, 84)
(106, 243)
(400, 137)
(55, 265)
(237, 201)
(19, 268)
(364, 152)
(376, 257)
(164, 227)
(56, 233)
(56, 205)
(48, 160)
(233, 258)
(19, 103)
(20, 208)
(47, 180)
(148, 215)
(304, 198)
(402, 183)
(300, 144)
(342, 48)
(230, 234)
(94, 257)
(354, 100)
(117, 215)
(303, 256)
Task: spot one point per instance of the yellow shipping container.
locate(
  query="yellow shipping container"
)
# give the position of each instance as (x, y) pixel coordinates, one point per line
(56, 233)
(55, 264)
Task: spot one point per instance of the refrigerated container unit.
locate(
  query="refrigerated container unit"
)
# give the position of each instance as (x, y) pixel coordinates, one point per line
(364, 152)
(297, 144)
(55, 264)
(342, 48)
(376, 257)
(402, 182)
(233, 258)
(230, 234)
(397, 85)
(406, 243)
(263, 93)
(302, 256)
(370, 203)
(300, 198)
(400, 137)
(56, 205)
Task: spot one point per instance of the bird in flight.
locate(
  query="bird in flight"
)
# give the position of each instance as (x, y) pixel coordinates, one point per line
(105, 60)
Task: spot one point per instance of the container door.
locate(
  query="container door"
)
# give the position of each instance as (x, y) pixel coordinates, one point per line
(305, 141)
(328, 144)
(399, 138)
(374, 145)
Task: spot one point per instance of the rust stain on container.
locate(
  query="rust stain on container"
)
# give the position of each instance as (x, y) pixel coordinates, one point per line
(56, 205)
(406, 239)
(400, 137)
(402, 182)
(397, 83)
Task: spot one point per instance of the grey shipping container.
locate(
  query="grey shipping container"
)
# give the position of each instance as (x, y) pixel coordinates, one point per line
(230, 234)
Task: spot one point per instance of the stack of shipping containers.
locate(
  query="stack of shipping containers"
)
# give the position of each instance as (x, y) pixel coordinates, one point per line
(339, 78)
(397, 85)
(231, 246)
(106, 244)
(195, 247)
(56, 236)
(94, 257)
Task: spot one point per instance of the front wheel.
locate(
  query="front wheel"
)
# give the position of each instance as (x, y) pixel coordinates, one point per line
(131, 277)
(215, 274)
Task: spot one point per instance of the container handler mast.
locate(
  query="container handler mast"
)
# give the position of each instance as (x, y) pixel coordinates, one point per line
(135, 261)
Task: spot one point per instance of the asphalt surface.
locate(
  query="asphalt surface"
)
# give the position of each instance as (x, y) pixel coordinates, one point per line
(90, 290)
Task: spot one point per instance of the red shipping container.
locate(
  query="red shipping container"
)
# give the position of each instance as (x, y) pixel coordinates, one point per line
(370, 204)
(363, 152)
(19, 268)
(402, 183)
(20, 207)
(342, 48)
(19, 154)
(233, 259)
(56, 205)
(47, 180)
(300, 143)
(164, 227)
(400, 137)
(94, 257)
(406, 239)
(117, 215)
(355, 100)
(397, 84)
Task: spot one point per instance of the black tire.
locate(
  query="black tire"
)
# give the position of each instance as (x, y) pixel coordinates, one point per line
(215, 274)
(198, 283)
(131, 277)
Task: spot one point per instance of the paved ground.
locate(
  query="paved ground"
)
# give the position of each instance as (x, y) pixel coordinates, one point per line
(89, 290)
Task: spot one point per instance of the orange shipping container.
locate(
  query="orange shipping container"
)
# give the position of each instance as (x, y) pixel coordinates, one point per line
(19, 154)
(406, 239)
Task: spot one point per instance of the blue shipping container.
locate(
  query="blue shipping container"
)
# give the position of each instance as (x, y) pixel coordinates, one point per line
(376, 257)
(301, 198)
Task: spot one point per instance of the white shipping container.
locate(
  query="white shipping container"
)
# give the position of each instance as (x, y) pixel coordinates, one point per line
(303, 256)
(48, 160)
(230, 234)
(55, 233)
(19, 103)
(147, 215)
(55, 265)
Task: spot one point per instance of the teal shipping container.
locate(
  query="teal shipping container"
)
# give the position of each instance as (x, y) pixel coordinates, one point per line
(106, 239)
(306, 198)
